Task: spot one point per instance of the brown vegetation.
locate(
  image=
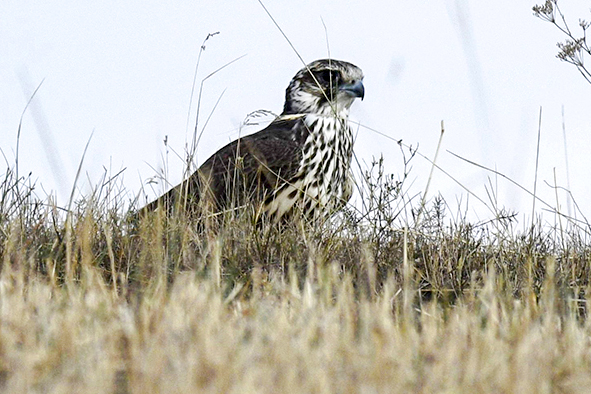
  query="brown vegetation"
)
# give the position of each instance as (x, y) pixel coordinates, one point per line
(92, 301)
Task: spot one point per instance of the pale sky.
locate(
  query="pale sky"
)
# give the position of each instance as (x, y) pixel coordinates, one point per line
(125, 69)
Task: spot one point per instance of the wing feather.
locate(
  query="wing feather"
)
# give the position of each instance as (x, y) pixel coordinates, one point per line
(245, 169)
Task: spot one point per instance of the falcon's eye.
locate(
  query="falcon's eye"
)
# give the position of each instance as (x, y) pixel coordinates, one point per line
(328, 77)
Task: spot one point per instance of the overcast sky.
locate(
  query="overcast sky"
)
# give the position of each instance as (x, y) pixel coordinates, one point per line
(125, 69)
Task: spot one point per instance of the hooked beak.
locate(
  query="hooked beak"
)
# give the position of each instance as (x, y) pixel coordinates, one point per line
(354, 89)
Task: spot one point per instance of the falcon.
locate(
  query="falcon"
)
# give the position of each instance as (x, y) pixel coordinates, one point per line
(299, 162)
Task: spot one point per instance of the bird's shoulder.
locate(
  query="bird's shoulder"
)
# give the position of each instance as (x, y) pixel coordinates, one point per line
(287, 129)
(278, 144)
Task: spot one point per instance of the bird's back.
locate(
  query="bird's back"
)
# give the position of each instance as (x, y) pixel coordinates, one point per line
(245, 170)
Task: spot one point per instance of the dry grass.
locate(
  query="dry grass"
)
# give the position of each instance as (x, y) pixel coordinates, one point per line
(100, 303)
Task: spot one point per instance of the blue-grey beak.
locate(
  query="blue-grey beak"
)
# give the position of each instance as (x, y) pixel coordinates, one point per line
(355, 89)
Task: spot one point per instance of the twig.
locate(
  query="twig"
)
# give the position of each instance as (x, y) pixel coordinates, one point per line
(423, 200)
(533, 208)
(568, 197)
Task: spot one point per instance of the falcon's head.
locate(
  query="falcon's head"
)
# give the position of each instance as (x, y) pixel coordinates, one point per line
(327, 87)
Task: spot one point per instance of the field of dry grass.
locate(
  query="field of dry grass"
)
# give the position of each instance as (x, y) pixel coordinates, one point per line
(92, 301)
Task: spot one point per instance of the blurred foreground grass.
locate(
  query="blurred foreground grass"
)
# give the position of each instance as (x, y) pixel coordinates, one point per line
(93, 301)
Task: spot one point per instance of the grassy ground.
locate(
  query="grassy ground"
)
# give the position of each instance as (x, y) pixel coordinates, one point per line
(93, 301)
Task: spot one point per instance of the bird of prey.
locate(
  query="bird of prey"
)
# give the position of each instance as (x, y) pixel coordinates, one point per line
(299, 162)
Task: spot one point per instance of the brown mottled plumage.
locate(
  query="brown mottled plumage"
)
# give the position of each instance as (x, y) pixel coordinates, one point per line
(302, 159)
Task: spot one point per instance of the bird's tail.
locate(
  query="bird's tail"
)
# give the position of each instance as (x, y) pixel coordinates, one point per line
(184, 197)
